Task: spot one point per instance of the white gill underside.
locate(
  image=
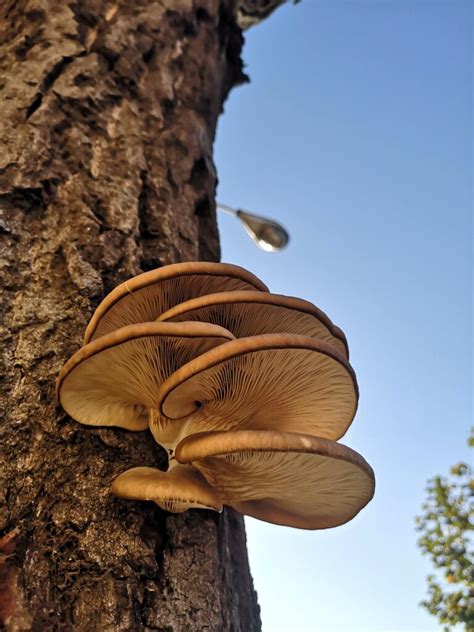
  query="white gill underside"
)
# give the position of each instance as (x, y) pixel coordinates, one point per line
(309, 485)
(118, 386)
(250, 319)
(293, 390)
(147, 303)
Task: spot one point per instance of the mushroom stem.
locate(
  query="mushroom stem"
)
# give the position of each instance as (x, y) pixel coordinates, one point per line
(167, 433)
(172, 462)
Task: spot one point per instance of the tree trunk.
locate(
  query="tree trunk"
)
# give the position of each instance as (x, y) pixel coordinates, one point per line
(107, 118)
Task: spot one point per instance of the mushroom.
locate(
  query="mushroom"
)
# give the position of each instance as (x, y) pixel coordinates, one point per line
(147, 295)
(285, 478)
(114, 380)
(248, 313)
(282, 382)
(180, 489)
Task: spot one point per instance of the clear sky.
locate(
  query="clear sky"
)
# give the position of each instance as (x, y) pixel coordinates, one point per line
(356, 133)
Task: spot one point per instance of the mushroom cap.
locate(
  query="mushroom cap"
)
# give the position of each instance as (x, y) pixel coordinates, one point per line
(280, 382)
(248, 313)
(148, 295)
(114, 379)
(285, 478)
(180, 489)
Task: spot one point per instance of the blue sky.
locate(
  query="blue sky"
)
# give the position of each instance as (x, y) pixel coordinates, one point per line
(355, 133)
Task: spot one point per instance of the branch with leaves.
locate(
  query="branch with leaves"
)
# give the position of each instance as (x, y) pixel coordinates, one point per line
(447, 529)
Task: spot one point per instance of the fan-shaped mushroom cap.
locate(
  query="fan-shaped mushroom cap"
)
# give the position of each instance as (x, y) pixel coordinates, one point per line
(180, 489)
(148, 295)
(114, 380)
(281, 477)
(278, 382)
(249, 313)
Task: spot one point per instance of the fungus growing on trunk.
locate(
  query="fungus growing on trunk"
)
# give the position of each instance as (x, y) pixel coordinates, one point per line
(113, 381)
(180, 489)
(282, 477)
(248, 313)
(249, 422)
(148, 295)
(278, 382)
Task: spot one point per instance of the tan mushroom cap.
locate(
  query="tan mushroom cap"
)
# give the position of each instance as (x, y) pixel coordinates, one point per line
(180, 489)
(114, 380)
(280, 477)
(250, 313)
(279, 382)
(148, 295)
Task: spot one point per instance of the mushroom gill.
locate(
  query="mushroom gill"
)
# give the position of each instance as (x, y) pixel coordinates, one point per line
(248, 313)
(281, 477)
(148, 295)
(114, 380)
(278, 382)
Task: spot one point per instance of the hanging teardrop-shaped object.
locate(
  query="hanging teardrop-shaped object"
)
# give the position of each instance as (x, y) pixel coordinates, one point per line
(266, 233)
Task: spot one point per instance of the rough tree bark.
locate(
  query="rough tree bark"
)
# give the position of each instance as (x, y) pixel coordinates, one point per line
(107, 117)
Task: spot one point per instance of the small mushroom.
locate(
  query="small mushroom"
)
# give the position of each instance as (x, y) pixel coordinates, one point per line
(281, 477)
(148, 295)
(180, 489)
(114, 380)
(248, 313)
(281, 382)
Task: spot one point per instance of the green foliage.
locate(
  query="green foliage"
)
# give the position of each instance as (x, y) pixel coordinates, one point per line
(447, 527)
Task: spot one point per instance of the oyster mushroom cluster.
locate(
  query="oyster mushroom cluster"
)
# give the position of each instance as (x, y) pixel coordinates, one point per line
(247, 391)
